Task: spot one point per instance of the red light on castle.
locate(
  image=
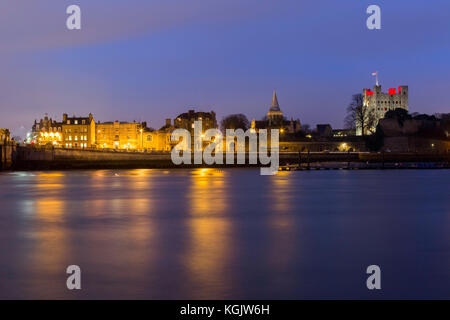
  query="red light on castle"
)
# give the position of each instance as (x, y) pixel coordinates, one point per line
(369, 92)
(392, 91)
(399, 89)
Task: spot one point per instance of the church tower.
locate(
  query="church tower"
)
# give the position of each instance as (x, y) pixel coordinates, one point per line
(275, 115)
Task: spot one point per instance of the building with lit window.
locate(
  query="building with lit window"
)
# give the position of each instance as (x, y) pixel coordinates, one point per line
(379, 102)
(78, 132)
(186, 120)
(46, 132)
(159, 140)
(120, 135)
(4, 136)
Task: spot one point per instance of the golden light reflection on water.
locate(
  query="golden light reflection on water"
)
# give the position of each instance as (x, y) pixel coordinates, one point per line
(280, 192)
(122, 202)
(50, 239)
(49, 207)
(208, 192)
(49, 210)
(127, 205)
(128, 192)
(209, 229)
(282, 220)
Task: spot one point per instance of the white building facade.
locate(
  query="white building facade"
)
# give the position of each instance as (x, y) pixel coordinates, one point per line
(380, 102)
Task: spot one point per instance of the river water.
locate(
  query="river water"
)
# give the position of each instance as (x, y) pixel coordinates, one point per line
(225, 234)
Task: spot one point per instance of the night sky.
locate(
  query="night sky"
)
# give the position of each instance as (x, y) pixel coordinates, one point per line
(147, 60)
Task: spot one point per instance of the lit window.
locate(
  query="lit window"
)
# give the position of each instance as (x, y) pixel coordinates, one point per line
(76, 121)
(70, 138)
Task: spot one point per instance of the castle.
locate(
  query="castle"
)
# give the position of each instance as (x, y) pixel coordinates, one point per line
(379, 102)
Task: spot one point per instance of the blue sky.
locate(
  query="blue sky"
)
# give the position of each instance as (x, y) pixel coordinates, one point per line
(153, 59)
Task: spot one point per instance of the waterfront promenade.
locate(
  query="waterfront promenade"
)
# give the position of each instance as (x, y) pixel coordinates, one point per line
(29, 158)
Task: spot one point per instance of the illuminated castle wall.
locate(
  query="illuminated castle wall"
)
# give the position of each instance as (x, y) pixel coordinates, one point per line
(380, 102)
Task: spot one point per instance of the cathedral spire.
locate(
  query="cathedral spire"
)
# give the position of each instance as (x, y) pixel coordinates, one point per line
(275, 106)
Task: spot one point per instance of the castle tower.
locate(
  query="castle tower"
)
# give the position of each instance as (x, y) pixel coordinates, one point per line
(379, 102)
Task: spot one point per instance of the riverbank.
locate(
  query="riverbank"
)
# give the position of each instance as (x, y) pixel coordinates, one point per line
(26, 158)
(365, 166)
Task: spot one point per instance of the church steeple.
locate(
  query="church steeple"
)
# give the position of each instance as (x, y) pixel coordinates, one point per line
(275, 116)
(275, 106)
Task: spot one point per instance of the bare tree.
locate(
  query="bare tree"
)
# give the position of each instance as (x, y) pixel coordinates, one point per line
(235, 121)
(306, 128)
(360, 116)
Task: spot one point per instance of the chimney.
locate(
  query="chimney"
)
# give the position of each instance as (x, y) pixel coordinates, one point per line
(64, 117)
(168, 122)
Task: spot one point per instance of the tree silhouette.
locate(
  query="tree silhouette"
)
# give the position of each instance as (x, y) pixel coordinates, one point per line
(360, 116)
(235, 121)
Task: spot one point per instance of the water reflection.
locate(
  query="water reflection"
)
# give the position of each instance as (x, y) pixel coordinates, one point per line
(209, 231)
(51, 249)
(281, 192)
(218, 234)
(282, 224)
(62, 215)
(123, 204)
